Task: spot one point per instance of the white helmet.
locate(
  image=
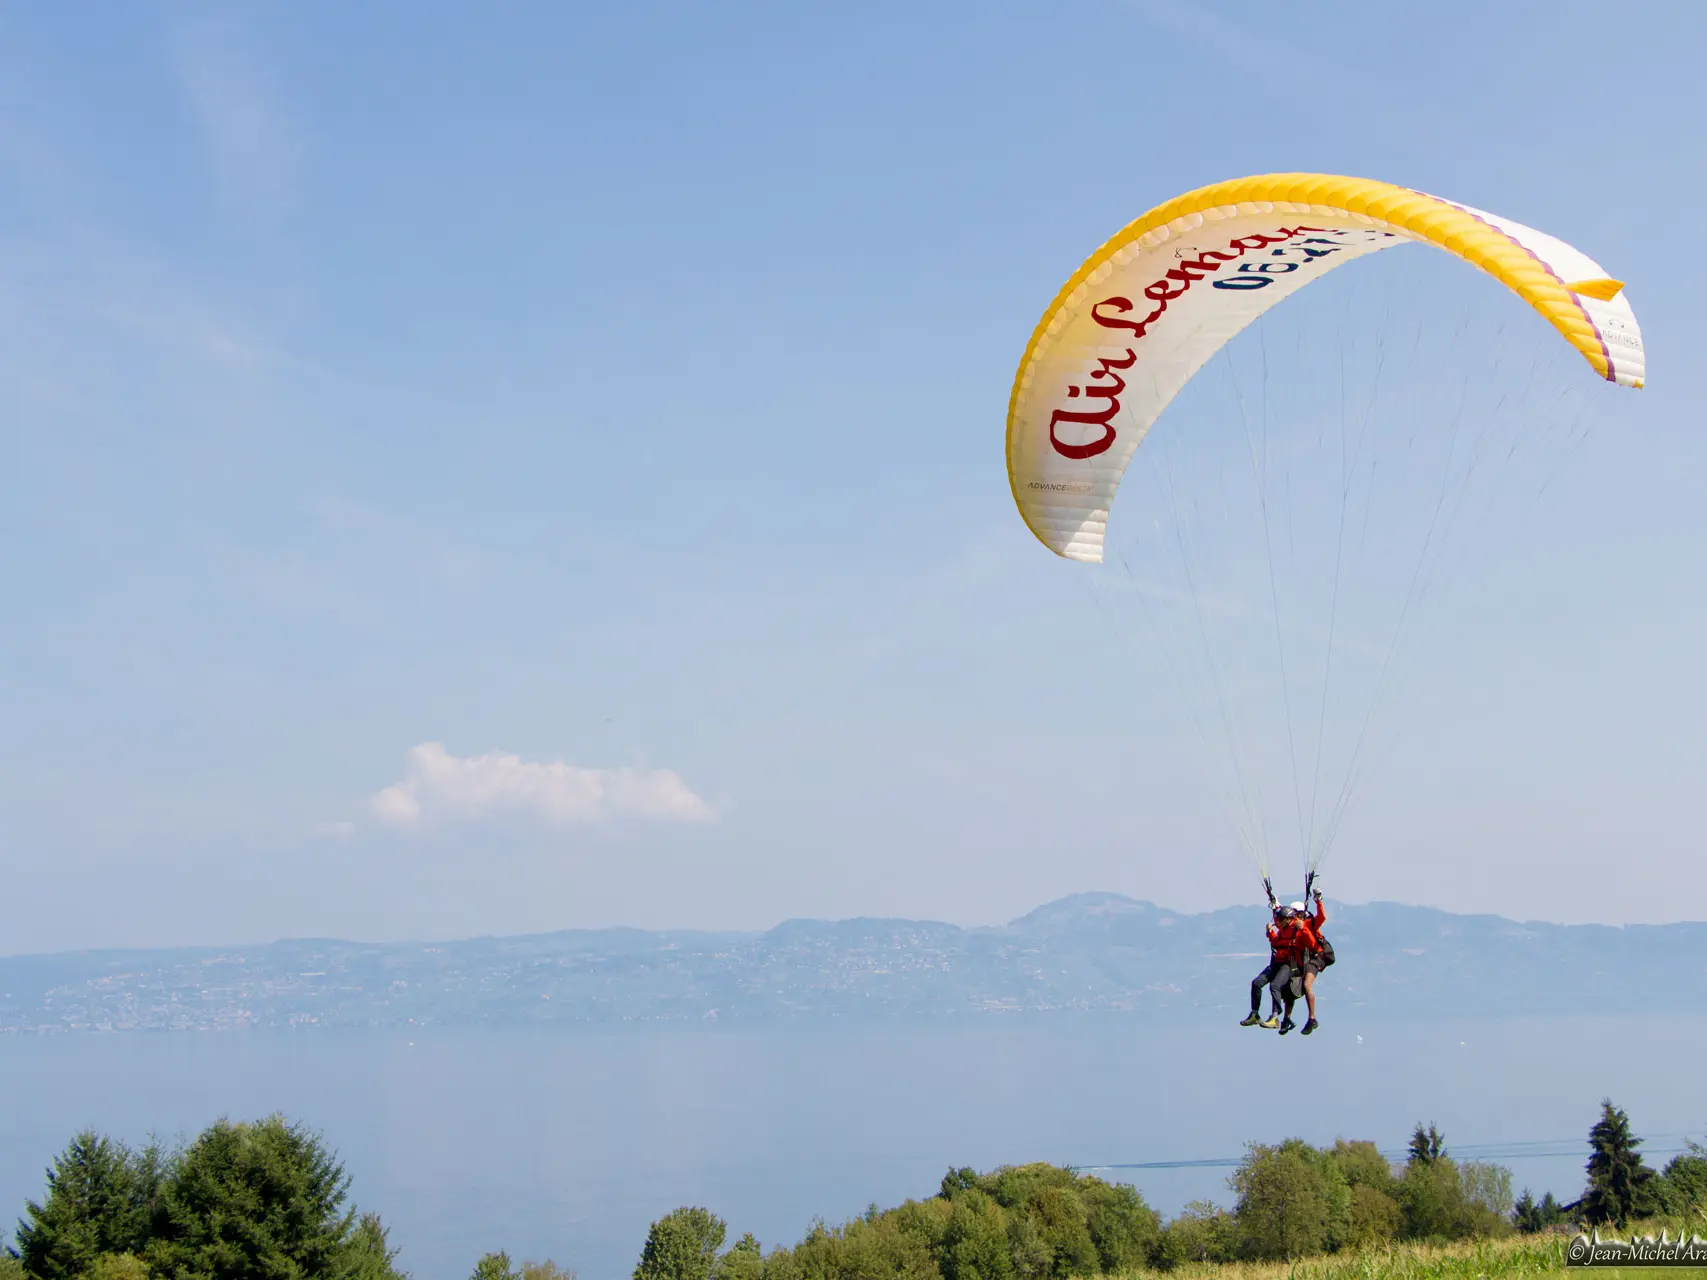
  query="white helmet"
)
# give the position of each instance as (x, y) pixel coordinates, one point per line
(1298, 907)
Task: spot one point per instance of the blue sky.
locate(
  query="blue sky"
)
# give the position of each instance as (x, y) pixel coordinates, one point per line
(618, 393)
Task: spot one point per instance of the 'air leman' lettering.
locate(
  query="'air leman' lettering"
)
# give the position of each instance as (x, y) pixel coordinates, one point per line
(1103, 383)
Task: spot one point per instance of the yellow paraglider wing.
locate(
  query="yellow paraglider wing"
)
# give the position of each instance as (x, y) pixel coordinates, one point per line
(1153, 304)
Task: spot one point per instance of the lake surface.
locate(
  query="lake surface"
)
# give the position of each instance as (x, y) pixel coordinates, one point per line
(566, 1144)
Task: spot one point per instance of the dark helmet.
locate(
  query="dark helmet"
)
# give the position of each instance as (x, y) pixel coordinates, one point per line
(1283, 913)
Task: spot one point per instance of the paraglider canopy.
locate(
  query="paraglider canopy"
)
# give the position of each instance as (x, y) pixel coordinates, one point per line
(1154, 303)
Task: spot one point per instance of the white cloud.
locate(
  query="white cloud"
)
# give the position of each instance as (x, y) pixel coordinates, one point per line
(438, 787)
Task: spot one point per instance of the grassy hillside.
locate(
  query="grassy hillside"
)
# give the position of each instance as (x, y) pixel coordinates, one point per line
(1543, 1253)
(1519, 1255)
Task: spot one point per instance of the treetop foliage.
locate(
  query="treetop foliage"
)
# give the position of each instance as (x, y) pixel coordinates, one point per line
(1427, 1145)
(268, 1200)
(682, 1245)
(1045, 1222)
(1291, 1201)
(262, 1199)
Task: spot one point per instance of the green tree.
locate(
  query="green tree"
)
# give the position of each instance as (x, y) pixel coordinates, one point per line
(1028, 1256)
(1332, 1174)
(1124, 1229)
(1443, 1200)
(682, 1245)
(495, 1266)
(1202, 1233)
(744, 1261)
(1361, 1164)
(549, 1270)
(261, 1199)
(780, 1264)
(1013, 1185)
(1526, 1213)
(957, 1180)
(924, 1220)
(1685, 1181)
(100, 1199)
(1061, 1227)
(1530, 1215)
(871, 1248)
(1372, 1211)
(975, 1243)
(1431, 1196)
(1620, 1184)
(1427, 1145)
(367, 1253)
(1284, 1209)
(1487, 1197)
(1372, 1217)
(117, 1266)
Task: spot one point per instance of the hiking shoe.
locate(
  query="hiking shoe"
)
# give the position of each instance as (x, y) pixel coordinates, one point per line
(1309, 1027)
(1250, 1021)
(1287, 1026)
(1271, 1022)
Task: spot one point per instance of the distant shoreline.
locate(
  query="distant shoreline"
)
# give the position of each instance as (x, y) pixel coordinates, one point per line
(1090, 955)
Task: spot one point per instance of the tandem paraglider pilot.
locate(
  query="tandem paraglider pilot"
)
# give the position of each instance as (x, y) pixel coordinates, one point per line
(1297, 952)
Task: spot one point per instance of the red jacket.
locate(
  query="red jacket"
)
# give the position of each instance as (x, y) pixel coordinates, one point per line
(1297, 937)
(1303, 939)
(1306, 935)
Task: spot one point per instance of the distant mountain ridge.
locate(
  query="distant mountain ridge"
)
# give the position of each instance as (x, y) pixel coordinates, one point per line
(1089, 953)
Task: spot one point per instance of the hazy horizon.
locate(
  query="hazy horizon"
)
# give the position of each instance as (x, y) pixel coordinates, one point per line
(1256, 909)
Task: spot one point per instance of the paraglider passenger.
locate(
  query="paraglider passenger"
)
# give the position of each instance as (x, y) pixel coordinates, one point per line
(1313, 962)
(1300, 944)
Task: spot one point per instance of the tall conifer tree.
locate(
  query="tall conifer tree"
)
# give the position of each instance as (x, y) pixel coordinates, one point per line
(100, 1199)
(1620, 1185)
